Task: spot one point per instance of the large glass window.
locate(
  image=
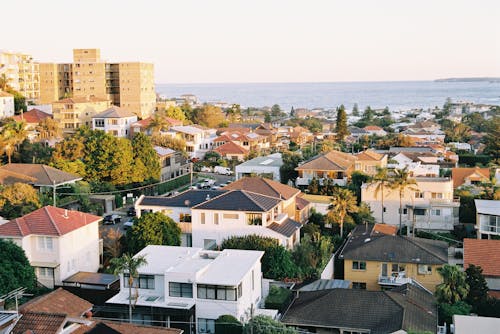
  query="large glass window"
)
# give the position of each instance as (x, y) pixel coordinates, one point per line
(218, 292)
(45, 244)
(141, 282)
(206, 326)
(358, 265)
(184, 290)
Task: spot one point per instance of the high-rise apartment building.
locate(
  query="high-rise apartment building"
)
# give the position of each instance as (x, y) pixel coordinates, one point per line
(129, 85)
(22, 73)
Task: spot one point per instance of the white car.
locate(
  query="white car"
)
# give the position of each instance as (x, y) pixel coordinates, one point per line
(223, 170)
(206, 169)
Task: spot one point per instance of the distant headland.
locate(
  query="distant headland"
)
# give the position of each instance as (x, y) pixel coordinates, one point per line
(481, 79)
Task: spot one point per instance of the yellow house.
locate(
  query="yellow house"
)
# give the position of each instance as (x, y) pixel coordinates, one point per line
(375, 261)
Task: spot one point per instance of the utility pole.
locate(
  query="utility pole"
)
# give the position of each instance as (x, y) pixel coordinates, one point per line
(191, 173)
(54, 193)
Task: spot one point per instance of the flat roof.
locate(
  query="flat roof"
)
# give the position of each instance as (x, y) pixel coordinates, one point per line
(90, 278)
(465, 324)
(267, 161)
(487, 207)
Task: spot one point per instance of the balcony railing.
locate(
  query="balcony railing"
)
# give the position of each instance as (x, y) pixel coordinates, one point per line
(396, 280)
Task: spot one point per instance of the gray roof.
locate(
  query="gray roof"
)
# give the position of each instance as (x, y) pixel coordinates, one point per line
(398, 149)
(90, 278)
(326, 284)
(187, 199)
(263, 162)
(362, 245)
(114, 112)
(286, 228)
(487, 207)
(407, 307)
(240, 200)
(36, 174)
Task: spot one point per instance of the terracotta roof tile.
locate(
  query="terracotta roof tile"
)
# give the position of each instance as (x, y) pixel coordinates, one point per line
(48, 220)
(301, 203)
(107, 327)
(372, 128)
(369, 155)
(385, 229)
(32, 116)
(5, 94)
(333, 160)
(58, 301)
(483, 253)
(460, 174)
(230, 148)
(263, 186)
(39, 323)
(81, 99)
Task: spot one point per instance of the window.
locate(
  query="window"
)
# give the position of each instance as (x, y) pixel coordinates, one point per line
(397, 268)
(216, 218)
(437, 195)
(405, 211)
(114, 122)
(142, 282)
(359, 285)
(45, 244)
(419, 194)
(206, 326)
(45, 272)
(424, 269)
(99, 123)
(358, 265)
(436, 212)
(209, 244)
(184, 290)
(230, 216)
(185, 218)
(419, 212)
(254, 219)
(202, 217)
(218, 292)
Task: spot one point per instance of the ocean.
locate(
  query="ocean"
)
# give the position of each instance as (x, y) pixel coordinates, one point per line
(397, 95)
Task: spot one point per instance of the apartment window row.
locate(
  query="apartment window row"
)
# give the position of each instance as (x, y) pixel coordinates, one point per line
(142, 282)
(358, 265)
(184, 290)
(217, 292)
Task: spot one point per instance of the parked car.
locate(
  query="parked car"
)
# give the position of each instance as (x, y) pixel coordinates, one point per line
(206, 169)
(131, 212)
(222, 170)
(111, 219)
(128, 224)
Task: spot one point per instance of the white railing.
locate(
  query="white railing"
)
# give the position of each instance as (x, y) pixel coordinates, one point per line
(393, 280)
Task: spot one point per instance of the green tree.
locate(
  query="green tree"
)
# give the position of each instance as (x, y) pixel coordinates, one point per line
(19, 101)
(458, 132)
(234, 113)
(128, 264)
(290, 161)
(312, 254)
(454, 287)
(4, 82)
(476, 122)
(341, 125)
(48, 129)
(343, 202)
(492, 138)
(357, 180)
(210, 116)
(153, 229)
(158, 123)
(17, 200)
(446, 311)
(263, 324)
(145, 155)
(355, 110)
(176, 144)
(11, 136)
(478, 288)
(15, 269)
(401, 181)
(292, 113)
(275, 111)
(381, 179)
(227, 324)
(35, 153)
(267, 117)
(175, 113)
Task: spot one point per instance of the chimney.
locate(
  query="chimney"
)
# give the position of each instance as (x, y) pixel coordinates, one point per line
(65, 213)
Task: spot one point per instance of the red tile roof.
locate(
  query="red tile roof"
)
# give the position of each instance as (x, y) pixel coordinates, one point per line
(384, 229)
(459, 175)
(48, 220)
(39, 323)
(230, 148)
(483, 253)
(58, 301)
(372, 128)
(34, 116)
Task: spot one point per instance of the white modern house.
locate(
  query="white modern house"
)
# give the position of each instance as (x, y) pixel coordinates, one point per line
(268, 166)
(199, 140)
(191, 287)
(430, 206)
(115, 120)
(487, 218)
(241, 213)
(417, 165)
(58, 243)
(6, 104)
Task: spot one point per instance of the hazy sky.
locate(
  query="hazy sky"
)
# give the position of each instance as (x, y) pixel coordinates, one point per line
(267, 40)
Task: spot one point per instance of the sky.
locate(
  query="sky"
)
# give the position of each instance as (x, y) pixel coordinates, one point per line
(205, 41)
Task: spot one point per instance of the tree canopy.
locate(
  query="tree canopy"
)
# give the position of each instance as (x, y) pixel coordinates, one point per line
(17, 200)
(15, 269)
(210, 116)
(262, 324)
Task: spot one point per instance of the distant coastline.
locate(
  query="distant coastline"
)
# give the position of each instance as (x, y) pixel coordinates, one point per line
(477, 79)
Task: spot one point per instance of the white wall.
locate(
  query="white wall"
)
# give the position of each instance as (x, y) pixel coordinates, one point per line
(6, 106)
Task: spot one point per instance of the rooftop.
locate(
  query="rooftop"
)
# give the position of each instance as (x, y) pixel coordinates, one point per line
(487, 207)
(38, 174)
(163, 151)
(286, 228)
(186, 199)
(83, 99)
(475, 174)
(263, 186)
(240, 200)
(90, 278)
(270, 160)
(32, 116)
(484, 253)
(39, 323)
(230, 148)
(58, 301)
(465, 324)
(115, 112)
(333, 160)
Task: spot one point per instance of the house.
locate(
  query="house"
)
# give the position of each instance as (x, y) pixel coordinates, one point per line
(470, 176)
(300, 136)
(199, 140)
(6, 105)
(487, 218)
(177, 207)
(232, 151)
(40, 176)
(374, 130)
(191, 287)
(32, 118)
(428, 205)
(408, 308)
(368, 161)
(417, 163)
(57, 242)
(374, 260)
(266, 166)
(115, 120)
(423, 137)
(334, 165)
(144, 125)
(293, 205)
(486, 254)
(172, 163)
(466, 324)
(357, 132)
(241, 213)
(72, 113)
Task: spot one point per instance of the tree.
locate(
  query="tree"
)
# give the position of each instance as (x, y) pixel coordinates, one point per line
(292, 113)
(227, 324)
(492, 138)
(401, 181)
(17, 200)
(381, 179)
(290, 162)
(341, 125)
(343, 202)
(48, 129)
(113, 243)
(15, 269)
(175, 113)
(11, 136)
(267, 117)
(454, 287)
(145, 155)
(478, 288)
(158, 123)
(234, 113)
(176, 144)
(446, 311)
(276, 111)
(4, 82)
(263, 324)
(210, 116)
(34, 153)
(458, 132)
(128, 265)
(355, 110)
(312, 254)
(153, 229)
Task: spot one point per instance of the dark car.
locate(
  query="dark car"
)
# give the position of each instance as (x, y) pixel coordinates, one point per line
(131, 212)
(111, 219)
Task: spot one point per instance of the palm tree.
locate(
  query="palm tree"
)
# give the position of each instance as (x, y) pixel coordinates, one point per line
(158, 123)
(49, 129)
(343, 202)
(454, 287)
(4, 82)
(128, 264)
(13, 134)
(401, 181)
(381, 179)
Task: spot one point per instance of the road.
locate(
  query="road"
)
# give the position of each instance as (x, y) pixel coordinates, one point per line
(219, 179)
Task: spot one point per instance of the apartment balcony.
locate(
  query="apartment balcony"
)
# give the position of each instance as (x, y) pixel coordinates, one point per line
(394, 280)
(455, 202)
(435, 223)
(305, 181)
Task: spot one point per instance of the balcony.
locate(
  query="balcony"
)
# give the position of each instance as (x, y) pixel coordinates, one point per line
(396, 279)
(304, 181)
(435, 223)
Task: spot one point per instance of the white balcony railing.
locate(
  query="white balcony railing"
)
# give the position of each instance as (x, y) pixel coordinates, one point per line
(398, 280)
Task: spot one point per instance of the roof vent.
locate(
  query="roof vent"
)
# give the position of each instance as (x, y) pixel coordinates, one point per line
(208, 197)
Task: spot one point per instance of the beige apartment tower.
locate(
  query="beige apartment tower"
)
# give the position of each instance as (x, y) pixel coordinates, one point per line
(129, 85)
(22, 73)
